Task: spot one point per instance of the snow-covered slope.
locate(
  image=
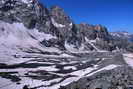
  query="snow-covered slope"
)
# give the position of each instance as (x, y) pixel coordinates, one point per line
(16, 40)
(27, 62)
(129, 59)
(124, 35)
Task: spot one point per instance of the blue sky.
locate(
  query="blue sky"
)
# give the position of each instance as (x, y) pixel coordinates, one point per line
(116, 15)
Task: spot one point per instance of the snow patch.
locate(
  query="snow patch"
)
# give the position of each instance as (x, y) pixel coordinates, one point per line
(27, 1)
(70, 24)
(16, 39)
(70, 47)
(70, 67)
(82, 72)
(65, 55)
(57, 24)
(129, 59)
(91, 43)
(40, 35)
(109, 67)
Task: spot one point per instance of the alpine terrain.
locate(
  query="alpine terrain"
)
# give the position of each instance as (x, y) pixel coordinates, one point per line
(42, 48)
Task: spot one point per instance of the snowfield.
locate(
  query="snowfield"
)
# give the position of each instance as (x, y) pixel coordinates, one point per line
(129, 59)
(23, 62)
(16, 39)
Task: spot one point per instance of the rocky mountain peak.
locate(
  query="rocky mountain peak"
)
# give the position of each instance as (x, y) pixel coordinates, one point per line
(98, 27)
(60, 16)
(55, 7)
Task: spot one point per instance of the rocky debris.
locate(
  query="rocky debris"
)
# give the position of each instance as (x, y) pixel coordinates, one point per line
(129, 47)
(78, 72)
(27, 87)
(54, 43)
(118, 78)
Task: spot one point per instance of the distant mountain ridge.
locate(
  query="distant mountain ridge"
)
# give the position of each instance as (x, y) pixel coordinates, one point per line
(123, 34)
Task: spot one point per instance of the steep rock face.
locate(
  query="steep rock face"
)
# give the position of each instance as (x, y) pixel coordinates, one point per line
(33, 14)
(61, 21)
(55, 22)
(102, 32)
(93, 31)
(88, 31)
(91, 36)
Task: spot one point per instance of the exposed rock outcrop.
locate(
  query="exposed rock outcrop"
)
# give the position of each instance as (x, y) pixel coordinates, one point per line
(54, 21)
